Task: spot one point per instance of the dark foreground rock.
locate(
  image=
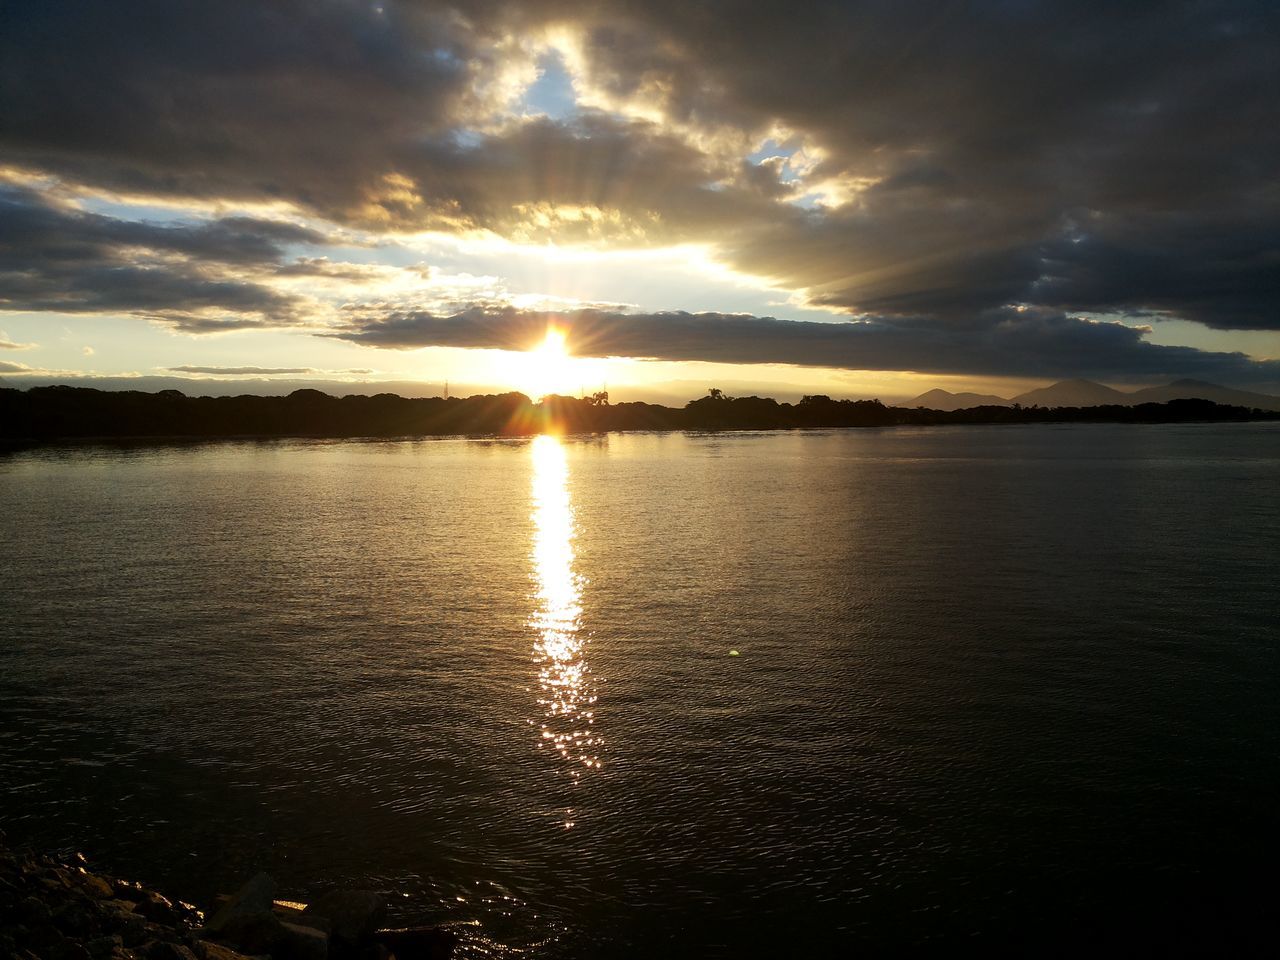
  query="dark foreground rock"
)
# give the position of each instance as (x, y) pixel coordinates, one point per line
(50, 910)
(418, 943)
(352, 916)
(53, 910)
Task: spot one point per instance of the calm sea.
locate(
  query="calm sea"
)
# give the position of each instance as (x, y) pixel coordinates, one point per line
(764, 694)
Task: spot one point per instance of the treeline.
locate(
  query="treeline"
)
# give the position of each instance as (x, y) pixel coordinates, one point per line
(64, 412)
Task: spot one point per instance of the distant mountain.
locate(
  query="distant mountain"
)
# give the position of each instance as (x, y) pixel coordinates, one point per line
(1072, 393)
(1188, 389)
(946, 400)
(1086, 393)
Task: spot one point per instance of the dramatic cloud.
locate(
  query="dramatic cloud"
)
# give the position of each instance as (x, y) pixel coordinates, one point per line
(1018, 342)
(1221, 270)
(297, 98)
(927, 166)
(65, 260)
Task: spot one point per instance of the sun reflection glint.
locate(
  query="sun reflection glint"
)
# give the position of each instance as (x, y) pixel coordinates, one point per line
(566, 688)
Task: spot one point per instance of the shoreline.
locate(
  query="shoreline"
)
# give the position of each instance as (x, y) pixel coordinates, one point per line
(55, 415)
(10, 445)
(58, 909)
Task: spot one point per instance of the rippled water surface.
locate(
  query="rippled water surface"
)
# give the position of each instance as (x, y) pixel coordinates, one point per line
(718, 695)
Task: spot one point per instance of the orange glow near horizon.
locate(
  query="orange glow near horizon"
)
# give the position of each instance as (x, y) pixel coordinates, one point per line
(549, 368)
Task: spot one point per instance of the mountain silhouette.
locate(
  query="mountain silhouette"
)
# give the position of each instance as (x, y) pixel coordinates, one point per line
(1199, 389)
(1072, 393)
(1087, 393)
(946, 400)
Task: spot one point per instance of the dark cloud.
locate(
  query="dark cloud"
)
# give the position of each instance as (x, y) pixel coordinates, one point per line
(350, 109)
(1220, 270)
(1026, 342)
(69, 261)
(995, 133)
(9, 366)
(296, 98)
(50, 232)
(230, 387)
(1064, 155)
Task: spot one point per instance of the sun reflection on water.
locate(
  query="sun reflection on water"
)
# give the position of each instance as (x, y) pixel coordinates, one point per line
(566, 688)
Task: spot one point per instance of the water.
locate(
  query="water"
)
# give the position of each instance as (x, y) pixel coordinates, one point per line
(1004, 686)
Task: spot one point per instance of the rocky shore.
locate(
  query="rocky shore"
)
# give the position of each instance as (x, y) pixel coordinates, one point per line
(52, 909)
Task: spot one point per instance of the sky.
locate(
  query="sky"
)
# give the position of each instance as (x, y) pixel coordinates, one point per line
(858, 199)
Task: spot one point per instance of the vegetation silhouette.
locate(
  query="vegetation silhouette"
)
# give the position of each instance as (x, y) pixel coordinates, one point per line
(43, 414)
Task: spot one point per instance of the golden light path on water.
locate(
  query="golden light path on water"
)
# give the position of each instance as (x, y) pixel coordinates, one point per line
(566, 689)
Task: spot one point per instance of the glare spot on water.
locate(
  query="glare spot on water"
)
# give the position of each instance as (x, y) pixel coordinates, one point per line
(567, 690)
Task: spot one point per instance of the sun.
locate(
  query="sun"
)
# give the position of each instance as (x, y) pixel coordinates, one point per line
(548, 368)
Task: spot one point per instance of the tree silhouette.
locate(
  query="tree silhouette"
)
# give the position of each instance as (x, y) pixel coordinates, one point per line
(47, 413)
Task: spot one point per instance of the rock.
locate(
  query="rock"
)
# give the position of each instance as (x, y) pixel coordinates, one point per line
(96, 887)
(116, 908)
(250, 932)
(162, 950)
(15, 934)
(74, 918)
(353, 915)
(301, 943)
(102, 947)
(125, 890)
(67, 949)
(54, 881)
(253, 899)
(156, 908)
(314, 921)
(418, 943)
(208, 950)
(132, 929)
(36, 911)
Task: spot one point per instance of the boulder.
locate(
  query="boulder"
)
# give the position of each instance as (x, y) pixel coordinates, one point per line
(208, 950)
(253, 933)
(163, 950)
(254, 899)
(301, 943)
(156, 908)
(54, 881)
(125, 890)
(35, 911)
(116, 908)
(418, 943)
(131, 927)
(294, 913)
(353, 915)
(96, 887)
(102, 947)
(75, 919)
(68, 949)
